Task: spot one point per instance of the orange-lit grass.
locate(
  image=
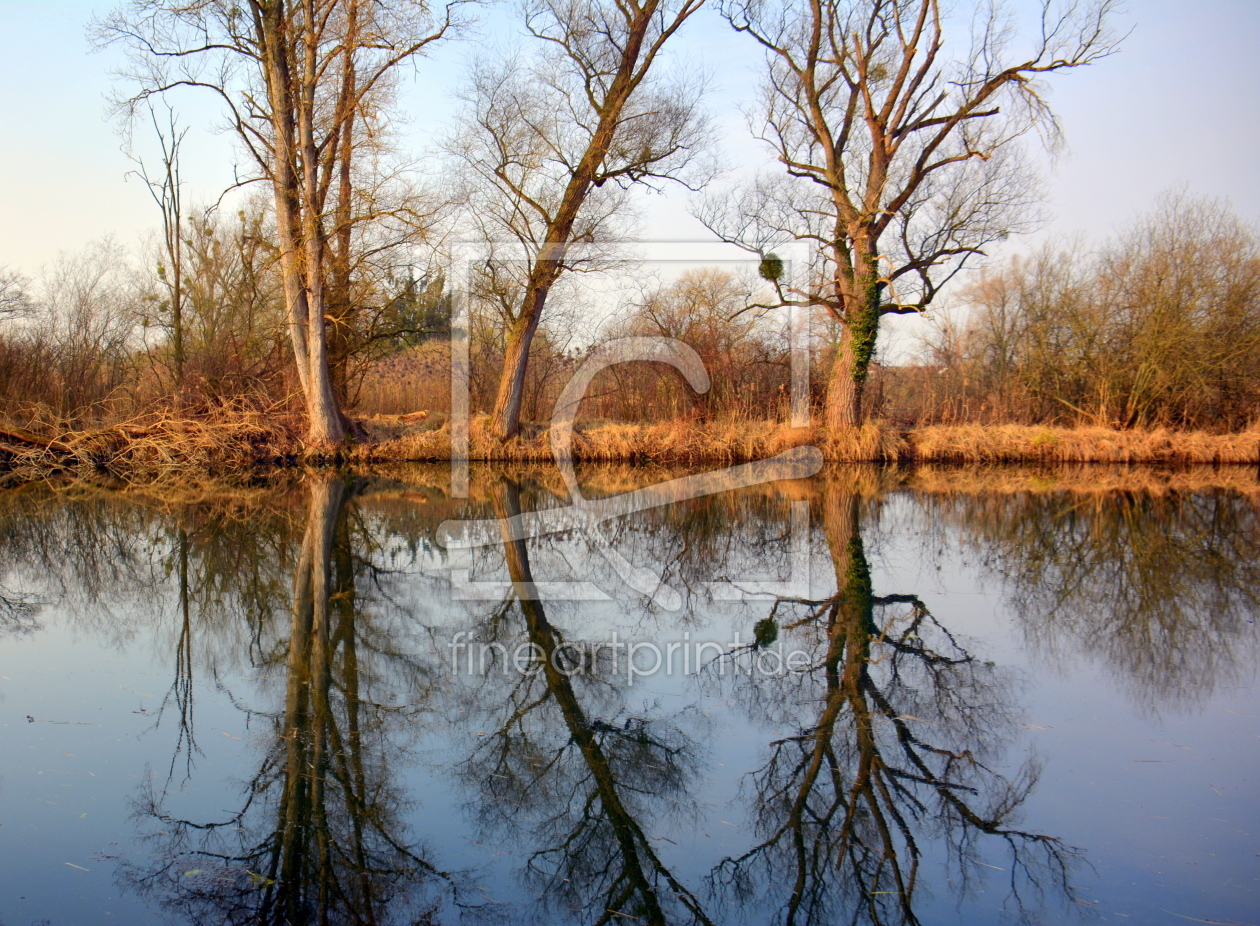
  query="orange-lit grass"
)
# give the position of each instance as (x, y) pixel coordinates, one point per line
(240, 440)
(1011, 443)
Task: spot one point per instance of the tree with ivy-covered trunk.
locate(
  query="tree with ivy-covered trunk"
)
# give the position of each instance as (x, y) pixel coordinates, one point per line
(900, 135)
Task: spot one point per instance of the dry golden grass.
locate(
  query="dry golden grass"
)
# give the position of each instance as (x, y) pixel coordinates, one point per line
(238, 441)
(683, 442)
(1012, 443)
(676, 442)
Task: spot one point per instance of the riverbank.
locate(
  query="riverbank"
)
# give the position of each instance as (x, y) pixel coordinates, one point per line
(737, 442)
(246, 443)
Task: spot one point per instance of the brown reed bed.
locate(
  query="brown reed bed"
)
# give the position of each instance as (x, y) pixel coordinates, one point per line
(734, 441)
(1010, 443)
(239, 441)
(220, 442)
(671, 442)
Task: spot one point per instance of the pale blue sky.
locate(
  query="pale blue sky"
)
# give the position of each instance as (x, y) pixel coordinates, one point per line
(1179, 105)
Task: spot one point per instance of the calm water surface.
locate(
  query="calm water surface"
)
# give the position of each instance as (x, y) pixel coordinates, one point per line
(866, 697)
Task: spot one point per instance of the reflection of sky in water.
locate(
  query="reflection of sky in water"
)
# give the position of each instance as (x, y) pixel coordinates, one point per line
(1153, 780)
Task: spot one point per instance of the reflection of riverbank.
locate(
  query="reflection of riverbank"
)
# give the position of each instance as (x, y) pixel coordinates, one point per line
(406, 486)
(432, 481)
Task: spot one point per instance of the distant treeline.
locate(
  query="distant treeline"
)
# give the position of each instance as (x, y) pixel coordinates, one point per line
(1160, 327)
(91, 341)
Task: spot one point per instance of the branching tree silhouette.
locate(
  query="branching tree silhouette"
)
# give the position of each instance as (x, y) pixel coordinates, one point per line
(320, 836)
(553, 143)
(895, 755)
(901, 158)
(564, 767)
(302, 83)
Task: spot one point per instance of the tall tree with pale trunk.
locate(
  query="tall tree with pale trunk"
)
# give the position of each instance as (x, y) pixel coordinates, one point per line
(302, 82)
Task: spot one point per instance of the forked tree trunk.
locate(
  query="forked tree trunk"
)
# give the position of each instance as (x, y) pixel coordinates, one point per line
(304, 296)
(302, 249)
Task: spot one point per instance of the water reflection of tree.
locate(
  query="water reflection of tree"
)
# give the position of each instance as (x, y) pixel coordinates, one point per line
(103, 554)
(1163, 588)
(320, 837)
(898, 728)
(74, 546)
(565, 768)
(897, 752)
(18, 612)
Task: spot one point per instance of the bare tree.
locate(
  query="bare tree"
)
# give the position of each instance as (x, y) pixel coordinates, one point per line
(901, 159)
(302, 81)
(1160, 327)
(88, 319)
(167, 190)
(722, 317)
(556, 140)
(234, 314)
(15, 302)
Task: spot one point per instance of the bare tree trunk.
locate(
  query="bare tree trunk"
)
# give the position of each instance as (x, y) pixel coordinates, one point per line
(634, 59)
(297, 219)
(167, 193)
(324, 418)
(325, 426)
(506, 419)
(341, 312)
(177, 307)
